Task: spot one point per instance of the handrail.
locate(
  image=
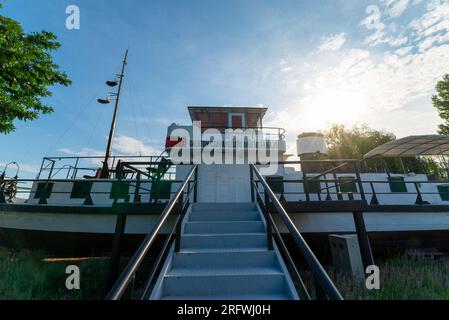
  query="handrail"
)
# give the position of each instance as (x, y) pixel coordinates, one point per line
(315, 266)
(131, 268)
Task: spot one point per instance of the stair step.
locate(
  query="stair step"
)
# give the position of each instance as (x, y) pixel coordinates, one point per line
(241, 297)
(232, 240)
(229, 285)
(225, 259)
(224, 216)
(224, 227)
(183, 272)
(224, 206)
(217, 250)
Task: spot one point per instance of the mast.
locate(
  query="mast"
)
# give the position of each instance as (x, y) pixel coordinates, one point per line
(105, 168)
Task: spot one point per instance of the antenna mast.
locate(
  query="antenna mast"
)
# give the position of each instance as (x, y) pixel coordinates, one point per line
(105, 169)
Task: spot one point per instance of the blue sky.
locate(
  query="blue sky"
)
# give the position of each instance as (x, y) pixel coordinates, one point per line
(310, 62)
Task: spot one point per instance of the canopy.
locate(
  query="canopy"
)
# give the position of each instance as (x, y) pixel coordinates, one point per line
(429, 145)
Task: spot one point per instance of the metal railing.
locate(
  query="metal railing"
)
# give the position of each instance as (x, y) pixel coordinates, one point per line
(317, 269)
(178, 204)
(375, 192)
(270, 133)
(86, 166)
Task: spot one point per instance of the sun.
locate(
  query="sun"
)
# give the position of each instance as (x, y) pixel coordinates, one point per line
(348, 108)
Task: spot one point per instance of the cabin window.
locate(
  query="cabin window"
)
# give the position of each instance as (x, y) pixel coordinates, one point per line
(347, 184)
(276, 183)
(43, 189)
(397, 184)
(443, 190)
(160, 190)
(81, 189)
(119, 189)
(236, 120)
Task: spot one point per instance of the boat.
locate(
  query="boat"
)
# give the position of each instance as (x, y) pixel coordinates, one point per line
(73, 204)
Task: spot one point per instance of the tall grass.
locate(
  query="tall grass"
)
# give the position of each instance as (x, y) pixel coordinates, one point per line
(26, 276)
(405, 278)
(401, 278)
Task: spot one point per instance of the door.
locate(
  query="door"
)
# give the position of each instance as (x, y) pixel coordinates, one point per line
(223, 183)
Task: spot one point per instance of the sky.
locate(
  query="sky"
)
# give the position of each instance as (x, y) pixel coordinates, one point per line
(312, 63)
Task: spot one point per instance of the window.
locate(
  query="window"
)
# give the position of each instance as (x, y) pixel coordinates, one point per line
(236, 120)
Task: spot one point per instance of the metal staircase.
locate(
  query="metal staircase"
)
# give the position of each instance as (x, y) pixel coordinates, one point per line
(222, 251)
(224, 256)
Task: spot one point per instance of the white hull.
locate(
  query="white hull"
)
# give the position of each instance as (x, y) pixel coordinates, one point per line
(306, 222)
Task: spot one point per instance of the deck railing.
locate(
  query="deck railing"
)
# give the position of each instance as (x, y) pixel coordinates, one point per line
(178, 204)
(323, 280)
(86, 166)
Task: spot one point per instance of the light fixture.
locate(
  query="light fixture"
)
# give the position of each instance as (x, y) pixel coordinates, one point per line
(103, 101)
(112, 83)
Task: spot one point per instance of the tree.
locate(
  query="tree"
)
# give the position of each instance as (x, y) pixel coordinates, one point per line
(354, 143)
(441, 102)
(27, 71)
(344, 143)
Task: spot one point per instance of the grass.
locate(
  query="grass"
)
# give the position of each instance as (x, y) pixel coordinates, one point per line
(27, 276)
(401, 278)
(404, 278)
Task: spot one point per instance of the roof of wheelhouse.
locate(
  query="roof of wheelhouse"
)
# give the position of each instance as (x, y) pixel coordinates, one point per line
(204, 109)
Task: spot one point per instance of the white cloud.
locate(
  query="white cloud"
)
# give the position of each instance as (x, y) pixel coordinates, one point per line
(395, 8)
(332, 43)
(389, 90)
(84, 152)
(123, 145)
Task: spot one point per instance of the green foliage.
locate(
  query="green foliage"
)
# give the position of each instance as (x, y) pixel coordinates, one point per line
(27, 71)
(355, 142)
(441, 102)
(344, 143)
(26, 276)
